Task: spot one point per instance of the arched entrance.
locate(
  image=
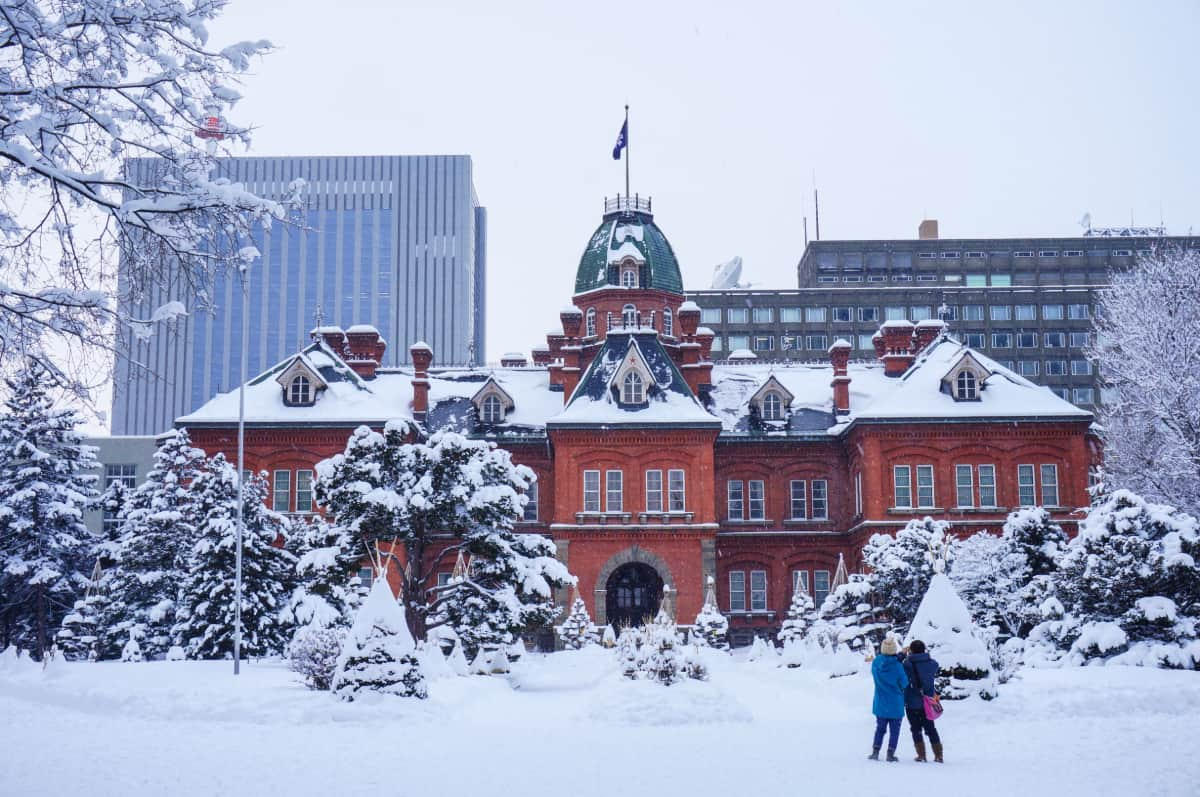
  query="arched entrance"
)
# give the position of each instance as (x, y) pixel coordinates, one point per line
(632, 594)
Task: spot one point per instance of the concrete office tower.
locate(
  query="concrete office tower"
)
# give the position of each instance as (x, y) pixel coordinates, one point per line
(397, 242)
(1025, 302)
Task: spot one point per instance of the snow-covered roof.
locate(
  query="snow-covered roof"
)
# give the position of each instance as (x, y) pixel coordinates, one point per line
(348, 399)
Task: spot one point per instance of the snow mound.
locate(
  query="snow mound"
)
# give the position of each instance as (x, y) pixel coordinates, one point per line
(646, 703)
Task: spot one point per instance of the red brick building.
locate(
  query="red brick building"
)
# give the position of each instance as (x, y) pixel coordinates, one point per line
(658, 467)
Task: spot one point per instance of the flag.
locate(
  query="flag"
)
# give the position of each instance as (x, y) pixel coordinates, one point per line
(622, 141)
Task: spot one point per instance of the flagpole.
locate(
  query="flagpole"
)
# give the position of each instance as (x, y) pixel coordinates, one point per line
(627, 195)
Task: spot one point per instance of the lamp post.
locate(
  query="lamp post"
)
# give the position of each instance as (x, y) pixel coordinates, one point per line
(243, 267)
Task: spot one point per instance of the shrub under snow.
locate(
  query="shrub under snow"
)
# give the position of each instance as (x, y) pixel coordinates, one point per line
(379, 655)
(944, 624)
(314, 654)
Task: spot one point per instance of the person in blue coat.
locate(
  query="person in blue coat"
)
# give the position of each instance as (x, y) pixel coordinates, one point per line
(888, 706)
(921, 670)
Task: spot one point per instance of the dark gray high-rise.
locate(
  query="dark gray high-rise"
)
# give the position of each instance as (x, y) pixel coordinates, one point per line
(396, 242)
(1025, 302)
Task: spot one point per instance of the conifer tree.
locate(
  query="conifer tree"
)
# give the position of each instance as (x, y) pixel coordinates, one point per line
(205, 616)
(417, 494)
(378, 654)
(799, 616)
(711, 627)
(901, 568)
(159, 521)
(76, 640)
(328, 556)
(849, 618)
(46, 551)
(577, 630)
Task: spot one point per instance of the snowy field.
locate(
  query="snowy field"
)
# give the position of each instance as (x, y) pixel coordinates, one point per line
(568, 724)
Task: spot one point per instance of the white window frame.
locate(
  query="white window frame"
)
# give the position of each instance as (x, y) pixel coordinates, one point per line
(758, 590)
(668, 323)
(491, 409)
(772, 406)
(966, 385)
(589, 328)
(281, 491)
(735, 497)
(629, 316)
(737, 591)
(987, 486)
(818, 577)
(800, 577)
(964, 484)
(591, 491)
(1050, 495)
(902, 487)
(858, 494)
(614, 491)
(304, 491)
(654, 490)
(530, 512)
(758, 512)
(633, 388)
(300, 390)
(1026, 487)
(676, 490)
(820, 499)
(798, 491)
(922, 503)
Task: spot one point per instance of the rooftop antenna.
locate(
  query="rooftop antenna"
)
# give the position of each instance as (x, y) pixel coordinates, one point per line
(816, 205)
(806, 232)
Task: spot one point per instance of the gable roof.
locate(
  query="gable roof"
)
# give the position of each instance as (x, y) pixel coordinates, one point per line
(672, 403)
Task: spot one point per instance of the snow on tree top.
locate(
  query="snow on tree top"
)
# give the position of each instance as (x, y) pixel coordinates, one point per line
(380, 609)
(944, 624)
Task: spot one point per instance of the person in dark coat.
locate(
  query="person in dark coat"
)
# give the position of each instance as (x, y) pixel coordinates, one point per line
(888, 705)
(921, 670)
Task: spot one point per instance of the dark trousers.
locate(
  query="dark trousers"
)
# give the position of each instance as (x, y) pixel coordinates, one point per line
(918, 722)
(892, 726)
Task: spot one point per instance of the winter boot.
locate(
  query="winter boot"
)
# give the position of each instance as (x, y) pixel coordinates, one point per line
(920, 745)
(937, 754)
(892, 756)
(874, 756)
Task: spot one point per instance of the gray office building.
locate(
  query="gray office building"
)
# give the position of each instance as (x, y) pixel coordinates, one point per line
(1025, 302)
(397, 242)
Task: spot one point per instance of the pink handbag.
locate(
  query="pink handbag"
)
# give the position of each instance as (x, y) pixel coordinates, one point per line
(933, 707)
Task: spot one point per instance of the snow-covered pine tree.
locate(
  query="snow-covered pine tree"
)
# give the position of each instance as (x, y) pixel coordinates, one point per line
(378, 655)
(159, 523)
(577, 630)
(1132, 569)
(420, 492)
(45, 487)
(76, 640)
(328, 556)
(987, 575)
(711, 628)
(1150, 415)
(944, 624)
(205, 615)
(799, 616)
(901, 567)
(849, 618)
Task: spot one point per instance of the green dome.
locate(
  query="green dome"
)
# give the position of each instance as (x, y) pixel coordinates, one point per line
(632, 233)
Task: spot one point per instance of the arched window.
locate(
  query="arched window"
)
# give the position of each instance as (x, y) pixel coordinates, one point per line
(668, 323)
(629, 278)
(300, 390)
(772, 407)
(967, 387)
(590, 329)
(493, 410)
(633, 389)
(629, 315)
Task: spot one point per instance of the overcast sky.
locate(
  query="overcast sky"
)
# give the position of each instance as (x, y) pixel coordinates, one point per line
(1008, 121)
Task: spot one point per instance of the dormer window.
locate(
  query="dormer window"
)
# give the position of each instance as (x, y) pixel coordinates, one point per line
(300, 391)
(772, 407)
(966, 386)
(590, 323)
(492, 410)
(492, 403)
(633, 389)
(629, 278)
(668, 323)
(629, 316)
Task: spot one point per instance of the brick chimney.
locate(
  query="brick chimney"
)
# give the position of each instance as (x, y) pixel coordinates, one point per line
(928, 230)
(898, 347)
(839, 357)
(541, 356)
(513, 360)
(422, 358)
(572, 321)
(689, 319)
(365, 348)
(334, 337)
(927, 332)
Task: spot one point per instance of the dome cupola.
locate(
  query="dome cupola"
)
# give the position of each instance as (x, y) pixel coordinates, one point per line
(628, 250)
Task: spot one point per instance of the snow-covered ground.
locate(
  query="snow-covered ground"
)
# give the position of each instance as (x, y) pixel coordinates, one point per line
(569, 724)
